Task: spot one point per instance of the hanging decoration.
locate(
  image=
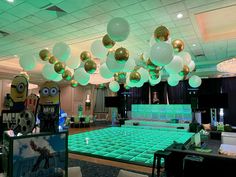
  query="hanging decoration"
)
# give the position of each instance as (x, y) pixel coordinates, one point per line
(108, 42)
(121, 55)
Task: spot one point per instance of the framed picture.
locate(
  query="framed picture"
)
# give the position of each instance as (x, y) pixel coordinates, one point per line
(36, 155)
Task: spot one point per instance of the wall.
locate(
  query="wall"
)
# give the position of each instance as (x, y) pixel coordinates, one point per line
(66, 99)
(4, 89)
(71, 98)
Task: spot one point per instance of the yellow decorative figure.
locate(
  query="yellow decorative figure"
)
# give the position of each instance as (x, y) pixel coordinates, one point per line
(49, 93)
(19, 92)
(49, 107)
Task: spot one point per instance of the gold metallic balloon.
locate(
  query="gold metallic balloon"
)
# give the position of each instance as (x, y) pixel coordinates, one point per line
(185, 70)
(120, 77)
(154, 74)
(90, 66)
(126, 87)
(74, 83)
(59, 67)
(85, 55)
(52, 60)
(150, 65)
(67, 75)
(121, 55)
(161, 33)
(44, 54)
(134, 77)
(108, 42)
(178, 45)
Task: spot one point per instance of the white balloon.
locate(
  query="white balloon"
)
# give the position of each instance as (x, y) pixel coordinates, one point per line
(130, 84)
(98, 50)
(144, 74)
(152, 41)
(155, 81)
(139, 61)
(129, 65)
(161, 53)
(186, 57)
(191, 66)
(48, 72)
(58, 78)
(176, 77)
(114, 86)
(61, 51)
(28, 62)
(73, 62)
(139, 84)
(172, 82)
(146, 54)
(175, 66)
(195, 81)
(169, 41)
(81, 76)
(105, 72)
(118, 29)
(113, 65)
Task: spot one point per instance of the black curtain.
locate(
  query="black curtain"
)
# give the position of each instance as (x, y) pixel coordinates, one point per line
(184, 94)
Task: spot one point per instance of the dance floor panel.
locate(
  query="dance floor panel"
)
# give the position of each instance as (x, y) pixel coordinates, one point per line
(127, 144)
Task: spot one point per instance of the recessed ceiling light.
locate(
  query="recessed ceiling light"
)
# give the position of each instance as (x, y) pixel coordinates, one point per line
(194, 45)
(179, 15)
(11, 1)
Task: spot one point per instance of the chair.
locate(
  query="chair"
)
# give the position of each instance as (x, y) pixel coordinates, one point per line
(74, 172)
(124, 173)
(76, 122)
(87, 121)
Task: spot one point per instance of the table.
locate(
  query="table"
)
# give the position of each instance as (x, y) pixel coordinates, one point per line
(212, 164)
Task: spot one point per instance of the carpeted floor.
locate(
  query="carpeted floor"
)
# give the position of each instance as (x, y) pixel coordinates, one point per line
(96, 170)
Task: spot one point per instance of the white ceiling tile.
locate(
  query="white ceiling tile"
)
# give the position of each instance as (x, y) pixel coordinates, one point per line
(80, 15)
(39, 4)
(23, 10)
(141, 17)
(175, 7)
(150, 4)
(134, 9)
(108, 5)
(124, 3)
(68, 19)
(46, 15)
(7, 18)
(118, 13)
(33, 19)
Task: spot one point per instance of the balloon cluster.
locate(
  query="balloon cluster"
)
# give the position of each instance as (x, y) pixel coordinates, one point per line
(119, 64)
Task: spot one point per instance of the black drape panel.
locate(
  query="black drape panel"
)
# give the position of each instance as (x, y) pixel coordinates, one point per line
(184, 94)
(178, 94)
(229, 86)
(161, 92)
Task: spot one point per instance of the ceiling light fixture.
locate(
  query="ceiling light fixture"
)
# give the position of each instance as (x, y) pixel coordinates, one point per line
(179, 15)
(228, 66)
(194, 45)
(11, 1)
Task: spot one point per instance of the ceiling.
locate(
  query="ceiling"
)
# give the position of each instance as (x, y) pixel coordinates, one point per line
(31, 25)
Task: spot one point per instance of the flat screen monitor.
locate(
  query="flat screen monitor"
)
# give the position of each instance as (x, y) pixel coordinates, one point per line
(213, 100)
(112, 101)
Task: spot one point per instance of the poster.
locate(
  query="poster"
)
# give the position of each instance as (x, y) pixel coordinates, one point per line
(40, 156)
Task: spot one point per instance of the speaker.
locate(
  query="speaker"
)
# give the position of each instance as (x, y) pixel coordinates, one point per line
(194, 102)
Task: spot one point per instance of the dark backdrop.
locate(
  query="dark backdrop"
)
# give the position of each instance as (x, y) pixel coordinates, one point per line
(184, 94)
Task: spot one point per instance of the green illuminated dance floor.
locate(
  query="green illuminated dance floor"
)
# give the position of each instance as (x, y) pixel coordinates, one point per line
(127, 144)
